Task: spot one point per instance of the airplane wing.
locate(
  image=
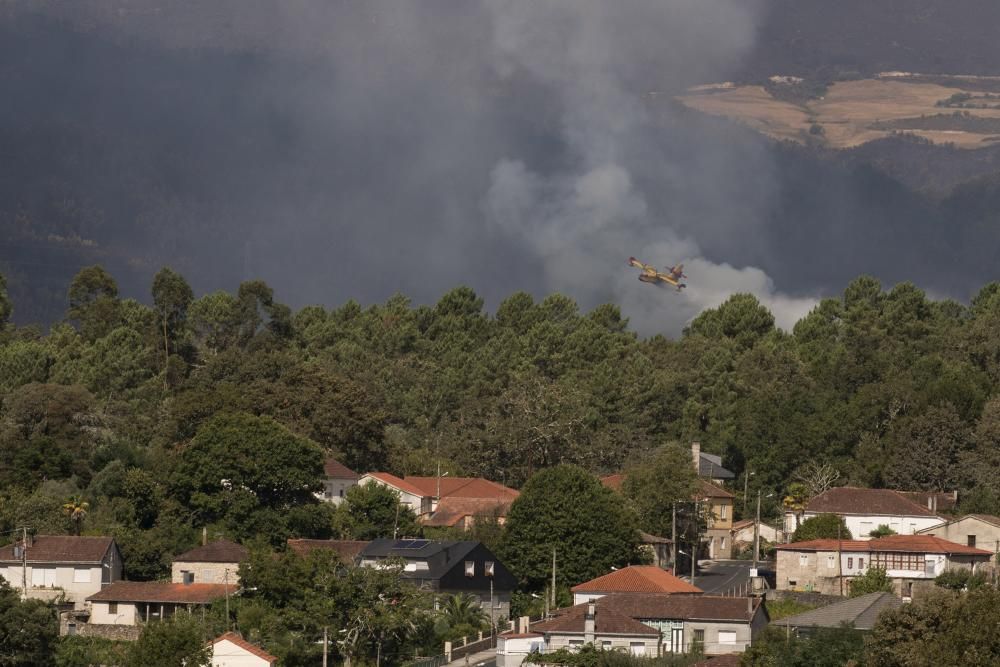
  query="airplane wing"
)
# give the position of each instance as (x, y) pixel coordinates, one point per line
(667, 279)
(639, 265)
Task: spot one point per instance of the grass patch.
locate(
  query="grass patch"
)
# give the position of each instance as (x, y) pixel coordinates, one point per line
(777, 609)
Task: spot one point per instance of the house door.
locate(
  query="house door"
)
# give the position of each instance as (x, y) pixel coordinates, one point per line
(677, 640)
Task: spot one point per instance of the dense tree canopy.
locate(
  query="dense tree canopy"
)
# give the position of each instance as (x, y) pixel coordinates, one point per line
(566, 510)
(822, 526)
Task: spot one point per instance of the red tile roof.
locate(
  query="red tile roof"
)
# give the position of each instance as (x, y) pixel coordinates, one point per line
(348, 550)
(160, 591)
(219, 551)
(938, 501)
(708, 490)
(334, 468)
(855, 500)
(894, 543)
(606, 622)
(61, 549)
(452, 510)
(463, 487)
(243, 644)
(636, 579)
(613, 482)
(682, 607)
(395, 482)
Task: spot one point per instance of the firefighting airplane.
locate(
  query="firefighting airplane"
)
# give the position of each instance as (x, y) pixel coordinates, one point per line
(649, 274)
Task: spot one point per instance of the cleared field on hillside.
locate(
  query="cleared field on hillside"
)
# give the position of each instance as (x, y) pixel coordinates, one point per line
(853, 112)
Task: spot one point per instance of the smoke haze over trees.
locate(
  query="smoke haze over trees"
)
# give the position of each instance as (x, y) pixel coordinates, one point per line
(358, 149)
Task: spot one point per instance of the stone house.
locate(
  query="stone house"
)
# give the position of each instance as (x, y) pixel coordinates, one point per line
(911, 561)
(217, 562)
(864, 510)
(54, 566)
(975, 530)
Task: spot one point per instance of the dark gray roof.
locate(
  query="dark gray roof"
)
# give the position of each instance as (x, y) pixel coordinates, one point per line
(441, 555)
(710, 465)
(860, 612)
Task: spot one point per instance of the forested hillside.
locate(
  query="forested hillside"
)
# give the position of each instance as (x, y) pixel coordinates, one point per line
(216, 411)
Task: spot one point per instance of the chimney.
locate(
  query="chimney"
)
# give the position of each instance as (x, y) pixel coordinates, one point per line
(524, 624)
(696, 456)
(204, 535)
(931, 502)
(589, 624)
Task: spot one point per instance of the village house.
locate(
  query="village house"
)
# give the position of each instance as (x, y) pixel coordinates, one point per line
(632, 579)
(644, 624)
(709, 466)
(718, 504)
(132, 603)
(337, 479)
(975, 530)
(56, 565)
(217, 562)
(450, 567)
(911, 561)
(742, 534)
(864, 510)
(449, 501)
(231, 650)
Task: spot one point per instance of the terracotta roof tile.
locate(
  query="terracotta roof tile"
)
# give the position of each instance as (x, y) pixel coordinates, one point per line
(855, 500)
(682, 607)
(334, 468)
(893, 543)
(160, 591)
(451, 510)
(613, 482)
(636, 579)
(348, 550)
(462, 487)
(246, 646)
(219, 551)
(395, 482)
(709, 490)
(61, 549)
(606, 622)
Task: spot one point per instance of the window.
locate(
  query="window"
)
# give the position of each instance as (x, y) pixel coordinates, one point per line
(866, 527)
(723, 511)
(575, 644)
(81, 575)
(850, 562)
(697, 641)
(831, 562)
(727, 637)
(470, 568)
(971, 539)
(898, 561)
(723, 543)
(488, 568)
(803, 560)
(606, 644)
(341, 492)
(637, 648)
(861, 563)
(908, 589)
(112, 607)
(43, 577)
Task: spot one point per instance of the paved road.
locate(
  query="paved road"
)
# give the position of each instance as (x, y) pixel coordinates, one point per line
(721, 577)
(481, 659)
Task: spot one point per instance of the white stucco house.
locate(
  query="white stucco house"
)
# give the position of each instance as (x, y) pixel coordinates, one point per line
(864, 510)
(337, 479)
(231, 650)
(53, 566)
(137, 602)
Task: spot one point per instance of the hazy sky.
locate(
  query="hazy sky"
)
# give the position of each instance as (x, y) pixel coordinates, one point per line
(354, 149)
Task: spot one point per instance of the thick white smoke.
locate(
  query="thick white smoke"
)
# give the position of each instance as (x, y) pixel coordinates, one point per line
(583, 220)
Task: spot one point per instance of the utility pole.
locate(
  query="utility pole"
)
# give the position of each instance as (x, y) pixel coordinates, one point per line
(756, 533)
(553, 607)
(840, 561)
(673, 540)
(694, 545)
(24, 563)
(225, 578)
(324, 645)
(746, 478)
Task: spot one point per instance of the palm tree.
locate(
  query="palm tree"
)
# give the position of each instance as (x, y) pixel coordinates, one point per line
(463, 609)
(76, 509)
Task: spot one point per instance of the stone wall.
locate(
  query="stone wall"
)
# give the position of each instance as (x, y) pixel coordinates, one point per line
(116, 632)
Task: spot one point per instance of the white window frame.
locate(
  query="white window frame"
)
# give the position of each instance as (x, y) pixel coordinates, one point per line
(82, 575)
(488, 568)
(470, 568)
(723, 511)
(803, 560)
(724, 637)
(831, 562)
